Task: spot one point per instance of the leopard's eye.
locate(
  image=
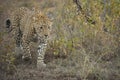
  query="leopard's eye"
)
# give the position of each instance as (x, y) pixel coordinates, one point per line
(48, 27)
(41, 27)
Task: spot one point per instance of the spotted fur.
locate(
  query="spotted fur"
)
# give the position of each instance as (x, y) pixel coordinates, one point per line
(30, 26)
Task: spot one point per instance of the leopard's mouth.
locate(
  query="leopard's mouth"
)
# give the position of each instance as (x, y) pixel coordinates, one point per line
(42, 41)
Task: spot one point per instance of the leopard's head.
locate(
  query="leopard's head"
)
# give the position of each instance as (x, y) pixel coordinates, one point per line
(42, 26)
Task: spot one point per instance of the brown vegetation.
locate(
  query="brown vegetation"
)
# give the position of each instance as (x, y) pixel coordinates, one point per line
(78, 48)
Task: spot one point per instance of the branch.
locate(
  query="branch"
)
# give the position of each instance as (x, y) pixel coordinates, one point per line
(80, 9)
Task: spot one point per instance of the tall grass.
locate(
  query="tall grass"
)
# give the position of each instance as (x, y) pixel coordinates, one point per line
(87, 51)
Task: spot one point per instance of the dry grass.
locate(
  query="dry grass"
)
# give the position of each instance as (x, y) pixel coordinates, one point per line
(78, 50)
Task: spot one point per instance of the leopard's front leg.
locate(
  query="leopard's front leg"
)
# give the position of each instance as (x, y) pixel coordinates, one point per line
(26, 49)
(41, 55)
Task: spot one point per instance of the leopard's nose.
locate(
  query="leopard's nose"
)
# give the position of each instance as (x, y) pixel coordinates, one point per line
(46, 35)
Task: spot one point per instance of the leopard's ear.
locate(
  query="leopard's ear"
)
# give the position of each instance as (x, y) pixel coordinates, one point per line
(8, 23)
(34, 18)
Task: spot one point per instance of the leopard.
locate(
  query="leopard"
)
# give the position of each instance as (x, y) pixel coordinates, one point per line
(30, 27)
